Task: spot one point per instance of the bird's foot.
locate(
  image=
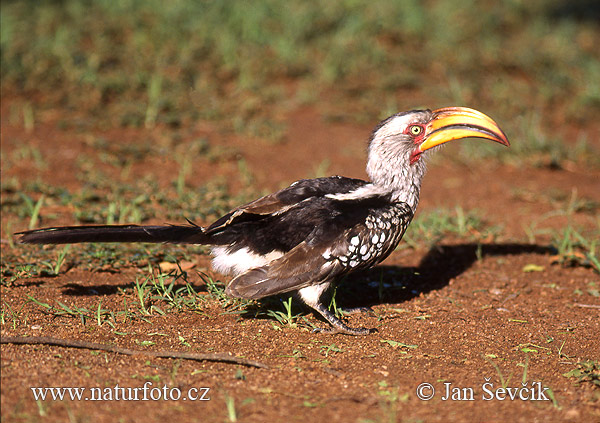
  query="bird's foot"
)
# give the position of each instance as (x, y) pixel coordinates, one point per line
(337, 326)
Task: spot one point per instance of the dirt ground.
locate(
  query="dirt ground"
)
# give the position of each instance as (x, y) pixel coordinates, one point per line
(465, 318)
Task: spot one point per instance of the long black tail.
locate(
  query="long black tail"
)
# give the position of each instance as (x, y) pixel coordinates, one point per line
(175, 234)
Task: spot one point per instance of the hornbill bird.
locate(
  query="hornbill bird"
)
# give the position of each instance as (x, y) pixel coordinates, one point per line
(307, 236)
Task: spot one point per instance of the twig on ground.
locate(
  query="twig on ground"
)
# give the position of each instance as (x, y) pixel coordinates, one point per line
(46, 340)
(588, 305)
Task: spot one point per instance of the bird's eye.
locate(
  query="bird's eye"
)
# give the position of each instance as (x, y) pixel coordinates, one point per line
(415, 129)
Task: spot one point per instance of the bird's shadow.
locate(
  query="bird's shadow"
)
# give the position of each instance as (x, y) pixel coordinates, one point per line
(441, 264)
(386, 284)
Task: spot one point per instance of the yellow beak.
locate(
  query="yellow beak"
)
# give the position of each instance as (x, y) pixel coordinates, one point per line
(452, 123)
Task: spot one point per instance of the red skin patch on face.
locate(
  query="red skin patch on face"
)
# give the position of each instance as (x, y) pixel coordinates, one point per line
(417, 140)
(415, 156)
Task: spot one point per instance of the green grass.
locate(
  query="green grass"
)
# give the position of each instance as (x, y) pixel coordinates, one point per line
(575, 249)
(33, 209)
(284, 317)
(54, 266)
(429, 228)
(586, 371)
(389, 397)
(157, 294)
(147, 63)
(103, 198)
(574, 244)
(15, 317)
(159, 291)
(230, 407)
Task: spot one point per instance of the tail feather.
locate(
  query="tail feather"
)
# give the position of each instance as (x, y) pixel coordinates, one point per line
(175, 234)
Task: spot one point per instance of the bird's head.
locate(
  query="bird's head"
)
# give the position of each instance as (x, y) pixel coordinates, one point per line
(406, 136)
(399, 142)
(410, 134)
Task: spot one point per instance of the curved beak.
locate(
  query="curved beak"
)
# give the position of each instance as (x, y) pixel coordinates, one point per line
(453, 123)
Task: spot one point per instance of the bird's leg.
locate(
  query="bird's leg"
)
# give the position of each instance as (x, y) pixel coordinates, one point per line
(311, 296)
(337, 325)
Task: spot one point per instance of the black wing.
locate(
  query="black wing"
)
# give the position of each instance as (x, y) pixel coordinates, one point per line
(282, 220)
(351, 234)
